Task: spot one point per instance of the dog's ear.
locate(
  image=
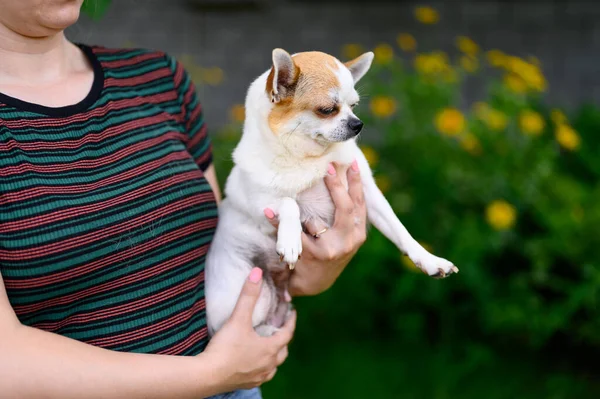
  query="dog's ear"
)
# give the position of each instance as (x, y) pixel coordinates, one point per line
(360, 65)
(283, 77)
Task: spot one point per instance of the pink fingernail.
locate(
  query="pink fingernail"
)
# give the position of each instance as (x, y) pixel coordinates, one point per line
(256, 275)
(331, 169)
(269, 213)
(354, 166)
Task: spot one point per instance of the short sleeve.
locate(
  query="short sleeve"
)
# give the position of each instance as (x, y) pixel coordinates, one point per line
(191, 116)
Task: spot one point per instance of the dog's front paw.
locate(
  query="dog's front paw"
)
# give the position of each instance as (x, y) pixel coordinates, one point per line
(289, 243)
(432, 265)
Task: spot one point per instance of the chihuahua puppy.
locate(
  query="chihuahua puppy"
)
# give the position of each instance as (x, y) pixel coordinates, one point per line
(299, 119)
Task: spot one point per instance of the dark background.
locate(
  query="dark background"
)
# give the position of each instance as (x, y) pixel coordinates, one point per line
(564, 35)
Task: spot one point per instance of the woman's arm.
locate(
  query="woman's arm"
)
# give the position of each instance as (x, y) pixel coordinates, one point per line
(211, 175)
(39, 364)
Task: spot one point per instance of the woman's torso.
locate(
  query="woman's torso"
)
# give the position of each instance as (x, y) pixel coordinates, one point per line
(105, 215)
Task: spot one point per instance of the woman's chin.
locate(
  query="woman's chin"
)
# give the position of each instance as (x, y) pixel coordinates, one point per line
(61, 20)
(59, 15)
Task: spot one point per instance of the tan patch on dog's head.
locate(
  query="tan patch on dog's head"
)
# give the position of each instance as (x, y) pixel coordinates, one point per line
(312, 89)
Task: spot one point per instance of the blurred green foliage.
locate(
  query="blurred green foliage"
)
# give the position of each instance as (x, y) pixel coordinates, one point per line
(95, 9)
(507, 189)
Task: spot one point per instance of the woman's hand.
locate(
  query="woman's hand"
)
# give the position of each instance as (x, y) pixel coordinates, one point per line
(324, 258)
(245, 359)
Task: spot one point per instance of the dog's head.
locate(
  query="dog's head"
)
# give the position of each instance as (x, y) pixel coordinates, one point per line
(313, 96)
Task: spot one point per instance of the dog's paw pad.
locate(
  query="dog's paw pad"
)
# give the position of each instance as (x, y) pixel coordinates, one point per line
(289, 246)
(434, 266)
(289, 254)
(442, 273)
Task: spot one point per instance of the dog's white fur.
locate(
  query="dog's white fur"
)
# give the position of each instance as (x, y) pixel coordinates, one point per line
(285, 173)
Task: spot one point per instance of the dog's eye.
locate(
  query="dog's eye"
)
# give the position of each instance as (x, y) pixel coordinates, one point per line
(353, 105)
(326, 111)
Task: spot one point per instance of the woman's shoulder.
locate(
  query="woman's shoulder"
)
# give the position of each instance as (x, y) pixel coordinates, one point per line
(130, 57)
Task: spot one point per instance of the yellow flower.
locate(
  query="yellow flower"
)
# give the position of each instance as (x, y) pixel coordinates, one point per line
(467, 45)
(496, 58)
(439, 56)
(480, 109)
(384, 54)
(383, 183)
(567, 137)
(427, 15)
(495, 120)
(534, 78)
(432, 63)
(370, 154)
(470, 144)
(128, 44)
(406, 42)
(450, 76)
(409, 264)
(212, 76)
(450, 122)
(420, 63)
(500, 215)
(186, 59)
(516, 64)
(515, 83)
(531, 123)
(435, 65)
(237, 113)
(351, 51)
(558, 117)
(196, 72)
(469, 64)
(530, 73)
(383, 106)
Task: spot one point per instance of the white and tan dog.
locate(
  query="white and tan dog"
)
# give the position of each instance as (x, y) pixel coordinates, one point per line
(299, 118)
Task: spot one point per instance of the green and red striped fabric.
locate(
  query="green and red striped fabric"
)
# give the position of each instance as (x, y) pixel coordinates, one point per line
(105, 214)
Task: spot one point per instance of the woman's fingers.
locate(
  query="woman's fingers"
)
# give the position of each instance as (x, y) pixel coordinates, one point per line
(315, 228)
(271, 217)
(248, 297)
(286, 332)
(282, 355)
(344, 207)
(271, 375)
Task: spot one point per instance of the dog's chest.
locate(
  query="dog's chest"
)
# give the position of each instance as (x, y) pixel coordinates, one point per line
(315, 203)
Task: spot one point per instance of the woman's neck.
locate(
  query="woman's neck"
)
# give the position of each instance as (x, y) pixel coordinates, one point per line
(36, 60)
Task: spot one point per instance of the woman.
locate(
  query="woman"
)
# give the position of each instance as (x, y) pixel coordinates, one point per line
(108, 204)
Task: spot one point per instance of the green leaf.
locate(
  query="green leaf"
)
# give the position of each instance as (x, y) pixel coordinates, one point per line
(95, 9)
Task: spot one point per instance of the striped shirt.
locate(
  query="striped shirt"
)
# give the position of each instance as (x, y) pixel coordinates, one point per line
(105, 214)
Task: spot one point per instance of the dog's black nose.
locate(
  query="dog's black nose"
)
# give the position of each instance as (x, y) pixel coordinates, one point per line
(355, 125)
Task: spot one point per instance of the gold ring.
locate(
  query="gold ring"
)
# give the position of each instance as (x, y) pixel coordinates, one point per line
(318, 234)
